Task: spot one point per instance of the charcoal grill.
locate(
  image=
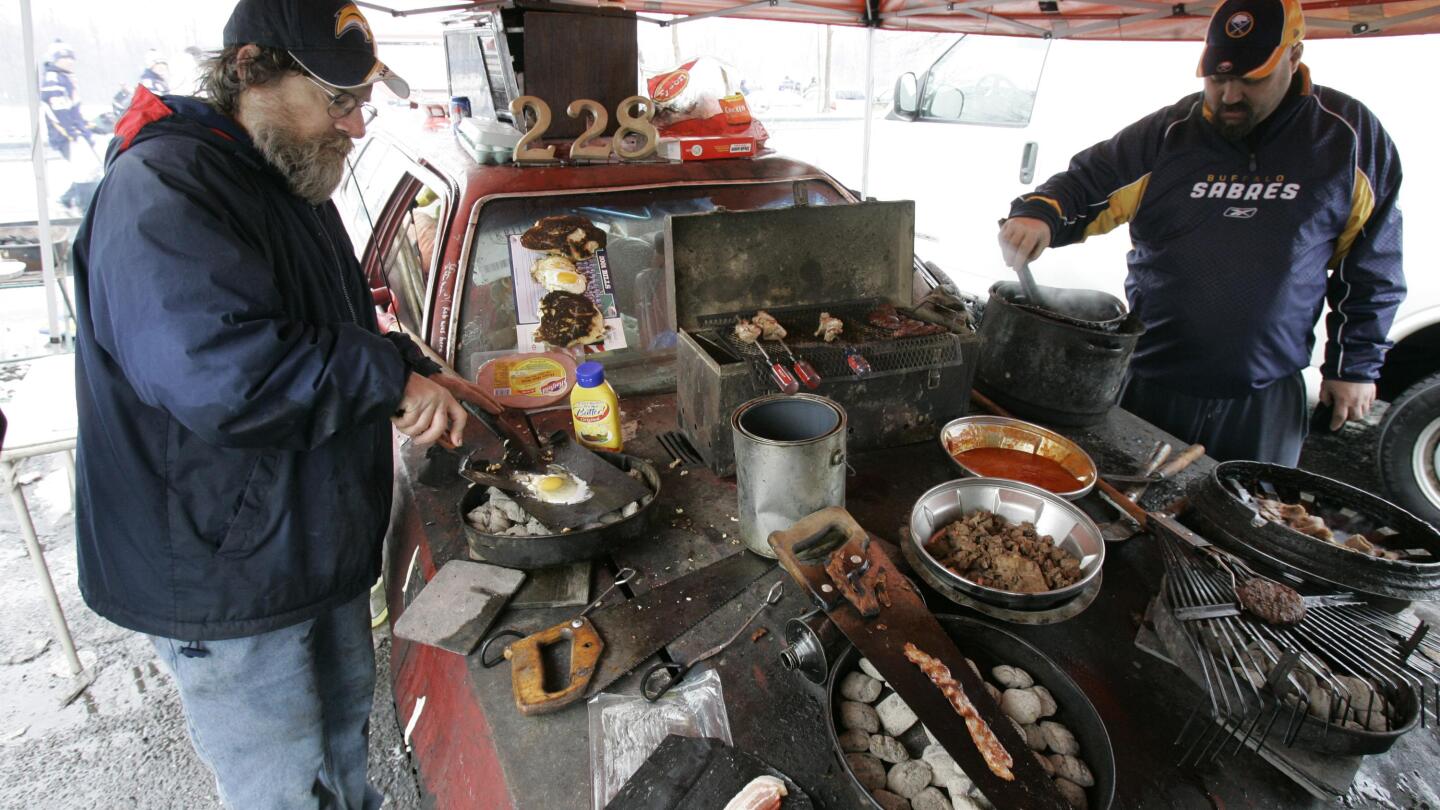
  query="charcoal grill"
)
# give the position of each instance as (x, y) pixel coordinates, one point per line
(795, 263)
(885, 353)
(1260, 694)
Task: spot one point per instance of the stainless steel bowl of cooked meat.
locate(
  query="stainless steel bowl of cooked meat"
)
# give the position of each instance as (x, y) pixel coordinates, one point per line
(1006, 543)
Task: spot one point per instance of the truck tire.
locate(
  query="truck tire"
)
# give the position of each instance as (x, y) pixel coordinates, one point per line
(1409, 454)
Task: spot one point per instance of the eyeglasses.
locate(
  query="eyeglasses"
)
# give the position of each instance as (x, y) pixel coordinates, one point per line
(343, 104)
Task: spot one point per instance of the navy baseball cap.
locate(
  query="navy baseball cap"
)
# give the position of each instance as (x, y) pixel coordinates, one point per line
(1248, 38)
(329, 38)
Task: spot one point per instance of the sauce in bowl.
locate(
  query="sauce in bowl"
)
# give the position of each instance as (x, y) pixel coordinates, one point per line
(1018, 465)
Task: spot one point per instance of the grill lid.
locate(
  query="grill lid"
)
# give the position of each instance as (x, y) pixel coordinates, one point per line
(741, 261)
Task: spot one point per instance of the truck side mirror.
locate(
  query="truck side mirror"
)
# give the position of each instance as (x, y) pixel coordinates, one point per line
(906, 102)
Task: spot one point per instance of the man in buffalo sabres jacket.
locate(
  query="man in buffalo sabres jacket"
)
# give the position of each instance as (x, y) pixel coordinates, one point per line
(236, 402)
(1249, 204)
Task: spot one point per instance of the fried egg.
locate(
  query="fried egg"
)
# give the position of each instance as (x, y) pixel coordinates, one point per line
(546, 263)
(555, 279)
(557, 486)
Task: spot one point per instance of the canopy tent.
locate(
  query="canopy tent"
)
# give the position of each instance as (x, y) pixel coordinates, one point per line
(1060, 19)
(1116, 20)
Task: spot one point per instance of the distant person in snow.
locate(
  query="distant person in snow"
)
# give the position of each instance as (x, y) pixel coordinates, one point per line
(60, 100)
(156, 76)
(65, 124)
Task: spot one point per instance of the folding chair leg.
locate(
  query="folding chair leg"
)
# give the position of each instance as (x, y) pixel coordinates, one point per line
(42, 572)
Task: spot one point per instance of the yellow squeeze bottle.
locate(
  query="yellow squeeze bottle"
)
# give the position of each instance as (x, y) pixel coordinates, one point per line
(595, 409)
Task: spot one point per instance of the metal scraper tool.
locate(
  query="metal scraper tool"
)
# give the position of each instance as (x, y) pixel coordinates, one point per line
(610, 488)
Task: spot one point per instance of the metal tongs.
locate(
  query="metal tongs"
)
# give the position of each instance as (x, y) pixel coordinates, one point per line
(659, 678)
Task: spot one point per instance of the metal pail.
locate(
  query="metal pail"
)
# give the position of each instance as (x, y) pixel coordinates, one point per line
(789, 462)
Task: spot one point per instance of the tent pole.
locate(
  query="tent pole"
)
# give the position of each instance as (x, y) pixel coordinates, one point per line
(869, 110)
(37, 157)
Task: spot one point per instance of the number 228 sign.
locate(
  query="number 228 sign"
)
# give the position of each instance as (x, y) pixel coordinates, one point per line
(634, 114)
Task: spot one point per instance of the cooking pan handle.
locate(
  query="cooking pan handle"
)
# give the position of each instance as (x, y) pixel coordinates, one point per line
(1108, 351)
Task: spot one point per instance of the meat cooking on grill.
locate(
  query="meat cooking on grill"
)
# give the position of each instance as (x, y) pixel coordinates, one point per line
(830, 327)
(1295, 516)
(888, 318)
(1299, 518)
(746, 332)
(987, 550)
(996, 757)
(1271, 602)
(770, 328)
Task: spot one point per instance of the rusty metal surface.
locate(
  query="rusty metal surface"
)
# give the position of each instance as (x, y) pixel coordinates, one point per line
(778, 715)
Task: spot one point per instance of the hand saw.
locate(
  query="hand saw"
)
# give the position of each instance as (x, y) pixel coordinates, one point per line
(858, 586)
(615, 639)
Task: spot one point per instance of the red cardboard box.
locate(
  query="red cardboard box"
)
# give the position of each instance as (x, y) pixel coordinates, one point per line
(713, 147)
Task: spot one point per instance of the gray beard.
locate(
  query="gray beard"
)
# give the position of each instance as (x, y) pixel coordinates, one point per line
(312, 167)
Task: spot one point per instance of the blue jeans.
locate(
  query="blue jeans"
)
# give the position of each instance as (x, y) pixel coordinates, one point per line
(283, 718)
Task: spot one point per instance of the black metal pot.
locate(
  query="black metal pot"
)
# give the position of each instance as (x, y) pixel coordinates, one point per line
(1232, 524)
(988, 647)
(528, 553)
(1056, 370)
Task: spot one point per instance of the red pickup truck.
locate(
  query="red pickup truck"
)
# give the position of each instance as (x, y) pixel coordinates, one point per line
(435, 226)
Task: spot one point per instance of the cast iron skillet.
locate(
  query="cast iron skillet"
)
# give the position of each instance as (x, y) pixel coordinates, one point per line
(989, 646)
(527, 553)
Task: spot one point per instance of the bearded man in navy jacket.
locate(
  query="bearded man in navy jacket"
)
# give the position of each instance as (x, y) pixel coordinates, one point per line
(236, 400)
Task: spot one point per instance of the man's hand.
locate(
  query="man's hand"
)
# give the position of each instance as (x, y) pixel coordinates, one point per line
(428, 412)
(1022, 240)
(466, 391)
(1348, 400)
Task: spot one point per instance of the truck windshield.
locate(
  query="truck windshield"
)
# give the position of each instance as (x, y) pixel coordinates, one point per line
(498, 305)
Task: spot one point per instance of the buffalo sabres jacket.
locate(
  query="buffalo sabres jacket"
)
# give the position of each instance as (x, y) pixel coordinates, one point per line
(1236, 245)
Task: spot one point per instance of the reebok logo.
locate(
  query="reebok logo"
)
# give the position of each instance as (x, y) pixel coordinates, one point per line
(1241, 213)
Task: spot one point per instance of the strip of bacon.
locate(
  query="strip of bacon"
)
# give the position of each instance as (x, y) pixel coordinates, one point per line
(996, 757)
(763, 793)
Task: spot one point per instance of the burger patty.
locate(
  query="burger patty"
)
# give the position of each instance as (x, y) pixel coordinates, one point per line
(1271, 602)
(568, 319)
(565, 235)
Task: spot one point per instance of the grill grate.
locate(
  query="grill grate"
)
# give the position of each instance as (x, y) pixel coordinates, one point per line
(1266, 683)
(885, 353)
(681, 450)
